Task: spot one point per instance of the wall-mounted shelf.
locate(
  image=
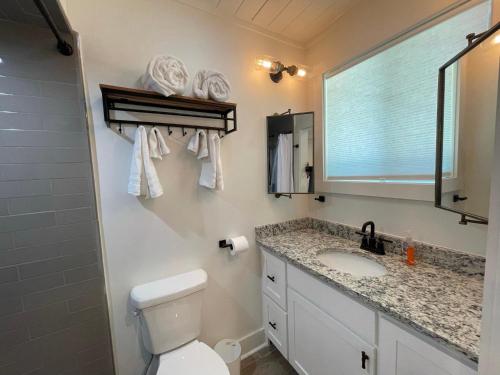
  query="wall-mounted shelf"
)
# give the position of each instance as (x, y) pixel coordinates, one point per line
(122, 99)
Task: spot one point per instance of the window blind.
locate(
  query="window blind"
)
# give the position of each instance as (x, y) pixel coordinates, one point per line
(380, 114)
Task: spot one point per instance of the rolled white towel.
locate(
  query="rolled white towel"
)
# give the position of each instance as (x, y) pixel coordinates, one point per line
(211, 84)
(166, 75)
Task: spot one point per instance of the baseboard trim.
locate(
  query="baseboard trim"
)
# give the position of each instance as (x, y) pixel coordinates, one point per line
(252, 342)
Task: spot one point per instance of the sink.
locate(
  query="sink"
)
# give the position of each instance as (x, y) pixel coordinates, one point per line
(354, 264)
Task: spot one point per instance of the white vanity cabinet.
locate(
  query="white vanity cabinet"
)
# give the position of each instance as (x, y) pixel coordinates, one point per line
(321, 330)
(401, 353)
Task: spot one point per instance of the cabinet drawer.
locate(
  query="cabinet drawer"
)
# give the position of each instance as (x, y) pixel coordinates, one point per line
(274, 279)
(275, 324)
(358, 318)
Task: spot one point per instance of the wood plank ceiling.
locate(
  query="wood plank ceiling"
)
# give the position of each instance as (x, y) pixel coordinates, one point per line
(298, 21)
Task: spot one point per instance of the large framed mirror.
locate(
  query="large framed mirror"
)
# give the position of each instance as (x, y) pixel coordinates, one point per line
(290, 153)
(467, 116)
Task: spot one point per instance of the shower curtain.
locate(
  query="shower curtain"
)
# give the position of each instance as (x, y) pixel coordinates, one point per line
(284, 164)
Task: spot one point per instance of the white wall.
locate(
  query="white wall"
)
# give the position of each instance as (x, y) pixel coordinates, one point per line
(366, 26)
(148, 240)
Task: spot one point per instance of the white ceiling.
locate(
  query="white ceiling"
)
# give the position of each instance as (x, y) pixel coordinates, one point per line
(298, 21)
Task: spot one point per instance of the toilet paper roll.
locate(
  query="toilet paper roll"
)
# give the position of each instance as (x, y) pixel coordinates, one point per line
(240, 244)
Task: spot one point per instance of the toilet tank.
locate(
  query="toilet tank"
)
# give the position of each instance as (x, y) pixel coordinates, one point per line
(170, 310)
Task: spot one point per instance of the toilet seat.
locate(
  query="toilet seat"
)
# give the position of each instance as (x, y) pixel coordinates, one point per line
(194, 358)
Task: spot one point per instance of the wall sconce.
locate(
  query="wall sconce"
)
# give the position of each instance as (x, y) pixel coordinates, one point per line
(276, 68)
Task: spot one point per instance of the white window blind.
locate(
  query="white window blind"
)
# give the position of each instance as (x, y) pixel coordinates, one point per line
(380, 114)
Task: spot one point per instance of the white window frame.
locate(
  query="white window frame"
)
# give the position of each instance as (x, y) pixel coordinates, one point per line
(422, 190)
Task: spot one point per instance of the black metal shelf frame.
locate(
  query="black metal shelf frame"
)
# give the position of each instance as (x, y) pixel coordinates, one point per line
(121, 99)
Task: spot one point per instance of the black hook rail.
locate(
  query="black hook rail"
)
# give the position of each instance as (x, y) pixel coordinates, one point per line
(62, 46)
(121, 99)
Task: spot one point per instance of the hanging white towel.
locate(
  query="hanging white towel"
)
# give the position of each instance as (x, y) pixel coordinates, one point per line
(211, 169)
(157, 145)
(140, 160)
(284, 164)
(211, 84)
(198, 144)
(166, 75)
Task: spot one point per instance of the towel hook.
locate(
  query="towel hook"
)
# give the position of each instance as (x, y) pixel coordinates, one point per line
(120, 130)
(169, 131)
(184, 132)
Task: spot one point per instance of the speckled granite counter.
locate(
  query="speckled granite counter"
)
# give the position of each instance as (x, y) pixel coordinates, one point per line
(440, 296)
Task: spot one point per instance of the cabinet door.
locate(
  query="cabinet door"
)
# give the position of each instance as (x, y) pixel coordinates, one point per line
(401, 353)
(274, 279)
(275, 325)
(320, 345)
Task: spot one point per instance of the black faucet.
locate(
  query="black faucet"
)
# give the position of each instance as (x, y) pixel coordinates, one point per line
(372, 243)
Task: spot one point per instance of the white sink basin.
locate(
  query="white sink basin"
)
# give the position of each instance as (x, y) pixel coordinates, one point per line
(354, 264)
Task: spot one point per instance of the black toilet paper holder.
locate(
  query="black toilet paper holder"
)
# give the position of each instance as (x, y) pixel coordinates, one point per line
(224, 244)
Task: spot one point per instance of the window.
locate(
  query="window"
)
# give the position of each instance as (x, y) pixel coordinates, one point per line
(380, 114)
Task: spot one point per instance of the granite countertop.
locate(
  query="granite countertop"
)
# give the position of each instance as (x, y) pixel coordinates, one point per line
(437, 301)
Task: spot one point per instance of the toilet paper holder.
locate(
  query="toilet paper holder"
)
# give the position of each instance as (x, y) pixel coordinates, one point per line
(224, 244)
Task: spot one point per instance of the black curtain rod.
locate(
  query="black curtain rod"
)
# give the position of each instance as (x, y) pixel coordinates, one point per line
(62, 46)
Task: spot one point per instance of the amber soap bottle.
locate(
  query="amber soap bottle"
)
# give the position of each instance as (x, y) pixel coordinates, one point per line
(410, 250)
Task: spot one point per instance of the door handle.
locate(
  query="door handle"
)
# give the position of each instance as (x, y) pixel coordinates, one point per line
(272, 278)
(273, 325)
(364, 358)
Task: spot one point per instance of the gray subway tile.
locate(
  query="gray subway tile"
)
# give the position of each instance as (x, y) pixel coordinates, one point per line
(71, 186)
(74, 216)
(29, 254)
(26, 188)
(59, 90)
(25, 205)
(86, 301)
(42, 105)
(65, 202)
(101, 350)
(4, 210)
(79, 245)
(13, 337)
(58, 320)
(80, 274)
(36, 300)
(19, 86)
(25, 287)
(38, 155)
(6, 241)
(10, 306)
(56, 234)
(42, 171)
(8, 275)
(28, 221)
(65, 124)
(42, 138)
(57, 264)
(21, 121)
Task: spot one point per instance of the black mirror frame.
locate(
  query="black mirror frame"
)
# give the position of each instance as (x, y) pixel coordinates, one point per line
(467, 217)
(288, 113)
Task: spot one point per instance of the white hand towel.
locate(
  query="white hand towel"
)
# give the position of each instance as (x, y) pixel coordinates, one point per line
(166, 75)
(157, 145)
(211, 169)
(140, 160)
(211, 84)
(198, 144)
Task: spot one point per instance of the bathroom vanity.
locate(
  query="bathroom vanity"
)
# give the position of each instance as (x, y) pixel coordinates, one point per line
(423, 319)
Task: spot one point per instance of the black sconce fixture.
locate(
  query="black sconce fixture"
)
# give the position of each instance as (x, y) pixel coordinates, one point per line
(276, 68)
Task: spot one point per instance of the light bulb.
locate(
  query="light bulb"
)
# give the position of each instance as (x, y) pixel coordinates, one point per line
(301, 72)
(264, 62)
(496, 39)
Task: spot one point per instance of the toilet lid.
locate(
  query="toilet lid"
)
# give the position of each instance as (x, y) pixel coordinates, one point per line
(194, 358)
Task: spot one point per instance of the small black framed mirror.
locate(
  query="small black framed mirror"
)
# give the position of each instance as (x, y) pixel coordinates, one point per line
(290, 153)
(468, 89)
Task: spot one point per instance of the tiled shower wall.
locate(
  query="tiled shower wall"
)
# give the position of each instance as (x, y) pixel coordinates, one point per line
(53, 315)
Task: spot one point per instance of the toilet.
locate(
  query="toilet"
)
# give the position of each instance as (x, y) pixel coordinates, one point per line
(170, 317)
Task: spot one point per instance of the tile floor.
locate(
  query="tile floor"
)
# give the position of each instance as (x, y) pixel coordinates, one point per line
(267, 361)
